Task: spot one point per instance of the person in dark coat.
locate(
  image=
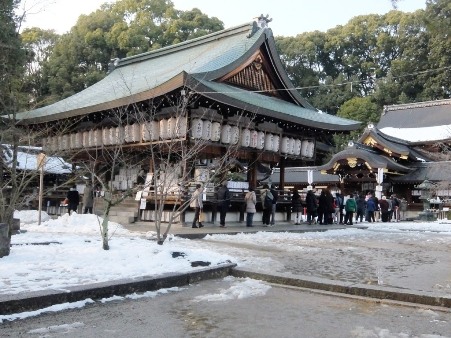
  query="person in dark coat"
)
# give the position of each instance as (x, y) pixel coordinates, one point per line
(296, 205)
(275, 195)
(361, 206)
(223, 196)
(340, 203)
(325, 207)
(370, 209)
(266, 195)
(311, 205)
(73, 198)
(385, 209)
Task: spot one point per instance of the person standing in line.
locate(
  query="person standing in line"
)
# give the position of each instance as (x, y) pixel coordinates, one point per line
(340, 204)
(312, 206)
(223, 195)
(251, 200)
(370, 209)
(266, 199)
(88, 199)
(296, 204)
(350, 208)
(396, 207)
(197, 204)
(73, 198)
(385, 209)
(325, 208)
(275, 195)
(360, 208)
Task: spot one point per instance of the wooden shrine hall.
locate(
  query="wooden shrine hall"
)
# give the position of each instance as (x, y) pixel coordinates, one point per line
(228, 89)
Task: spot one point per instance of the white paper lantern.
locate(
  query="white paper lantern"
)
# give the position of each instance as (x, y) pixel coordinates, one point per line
(171, 127)
(112, 134)
(164, 129)
(151, 131)
(245, 138)
(196, 128)
(180, 127)
(291, 148)
(276, 143)
(54, 143)
(106, 136)
(72, 141)
(310, 149)
(226, 133)
(119, 135)
(269, 140)
(260, 140)
(86, 139)
(254, 138)
(65, 142)
(304, 147)
(297, 147)
(235, 135)
(285, 145)
(215, 131)
(206, 130)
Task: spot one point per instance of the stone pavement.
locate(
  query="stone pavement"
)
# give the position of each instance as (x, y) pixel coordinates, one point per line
(233, 228)
(36, 300)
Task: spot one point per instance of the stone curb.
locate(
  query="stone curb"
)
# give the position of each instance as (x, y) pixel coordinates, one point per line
(364, 290)
(30, 301)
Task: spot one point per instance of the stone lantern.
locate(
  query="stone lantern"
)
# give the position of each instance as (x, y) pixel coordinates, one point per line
(426, 194)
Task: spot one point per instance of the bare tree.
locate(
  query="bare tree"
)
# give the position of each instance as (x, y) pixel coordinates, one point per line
(160, 142)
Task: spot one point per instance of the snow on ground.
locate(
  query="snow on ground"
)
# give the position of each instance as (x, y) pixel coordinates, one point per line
(67, 251)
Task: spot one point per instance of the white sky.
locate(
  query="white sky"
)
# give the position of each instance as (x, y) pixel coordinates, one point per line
(68, 262)
(290, 17)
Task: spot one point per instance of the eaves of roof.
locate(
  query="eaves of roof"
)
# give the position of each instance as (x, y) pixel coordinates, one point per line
(156, 73)
(432, 171)
(374, 160)
(298, 175)
(395, 145)
(271, 106)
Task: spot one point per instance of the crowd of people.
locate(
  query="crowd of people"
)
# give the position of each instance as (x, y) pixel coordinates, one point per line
(338, 209)
(324, 208)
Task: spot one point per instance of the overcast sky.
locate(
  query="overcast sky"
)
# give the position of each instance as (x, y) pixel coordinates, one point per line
(289, 17)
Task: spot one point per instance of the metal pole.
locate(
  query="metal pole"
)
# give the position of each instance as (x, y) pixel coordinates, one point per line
(41, 158)
(41, 188)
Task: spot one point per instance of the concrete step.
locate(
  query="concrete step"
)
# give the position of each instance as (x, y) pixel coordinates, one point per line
(125, 220)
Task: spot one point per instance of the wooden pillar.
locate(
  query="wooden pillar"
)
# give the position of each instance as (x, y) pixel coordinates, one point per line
(282, 173)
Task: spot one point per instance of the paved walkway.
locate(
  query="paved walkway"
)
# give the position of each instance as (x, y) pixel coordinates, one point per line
(235, 227)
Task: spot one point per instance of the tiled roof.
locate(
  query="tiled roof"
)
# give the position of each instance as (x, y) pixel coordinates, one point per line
(271, 106)
(138, 78)
(416, 115)
(204, 59)
(373, 159)
(433, 171)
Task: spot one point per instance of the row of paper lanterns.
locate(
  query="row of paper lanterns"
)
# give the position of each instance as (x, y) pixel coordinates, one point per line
(176, 128)
(232, 134)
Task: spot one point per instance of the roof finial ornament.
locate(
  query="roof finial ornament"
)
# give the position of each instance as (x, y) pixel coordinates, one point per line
(263, 20)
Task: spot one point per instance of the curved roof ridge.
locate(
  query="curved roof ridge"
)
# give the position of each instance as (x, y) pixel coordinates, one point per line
(250, 27)
(417, 105)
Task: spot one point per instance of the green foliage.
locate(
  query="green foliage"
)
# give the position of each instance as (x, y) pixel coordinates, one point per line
(81, 57)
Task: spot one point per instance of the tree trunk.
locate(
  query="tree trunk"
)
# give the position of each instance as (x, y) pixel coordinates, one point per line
(104, 229)
(5, 240)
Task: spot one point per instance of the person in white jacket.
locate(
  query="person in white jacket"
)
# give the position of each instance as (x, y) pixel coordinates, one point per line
(197, 204)
(251, 200)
